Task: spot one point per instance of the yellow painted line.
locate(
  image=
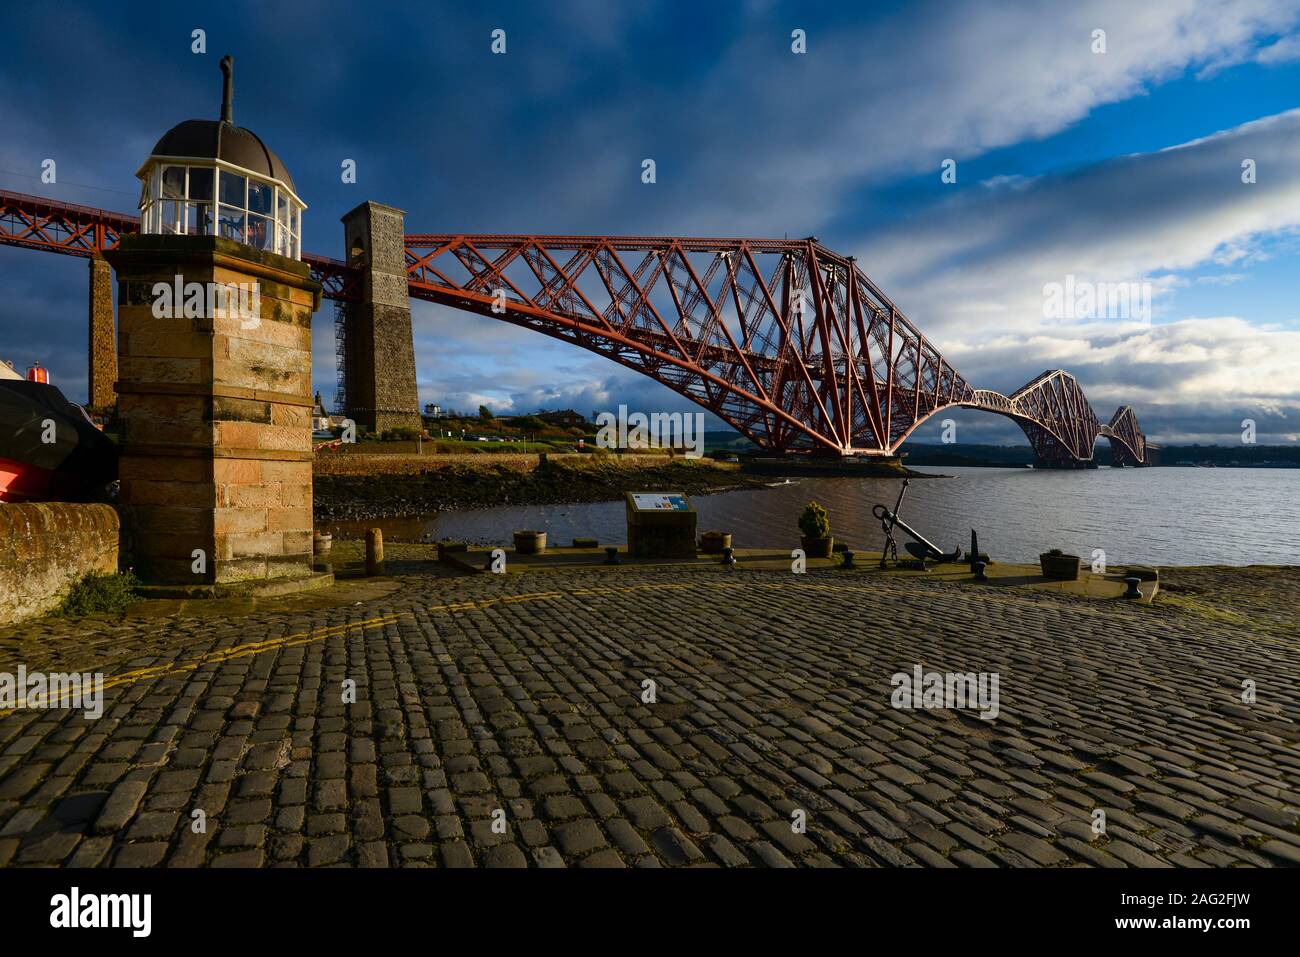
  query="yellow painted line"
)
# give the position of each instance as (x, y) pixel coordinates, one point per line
(308, 637)
(239, 651)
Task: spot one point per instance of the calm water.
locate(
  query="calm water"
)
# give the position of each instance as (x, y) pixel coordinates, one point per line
(1160, 516)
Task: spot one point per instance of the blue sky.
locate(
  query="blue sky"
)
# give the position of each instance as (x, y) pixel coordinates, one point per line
(1121, 166)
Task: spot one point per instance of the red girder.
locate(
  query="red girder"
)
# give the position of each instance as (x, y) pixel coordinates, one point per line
(834, 367)
(789, 342)
(38, 223)
(1128, 444)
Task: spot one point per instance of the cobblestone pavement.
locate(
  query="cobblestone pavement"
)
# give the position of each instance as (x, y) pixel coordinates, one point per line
(523, 695)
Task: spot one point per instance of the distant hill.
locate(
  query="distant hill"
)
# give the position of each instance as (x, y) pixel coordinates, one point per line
(1011, 456)
(1018, 456)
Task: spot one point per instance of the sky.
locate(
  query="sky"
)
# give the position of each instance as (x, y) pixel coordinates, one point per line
(1072, 164)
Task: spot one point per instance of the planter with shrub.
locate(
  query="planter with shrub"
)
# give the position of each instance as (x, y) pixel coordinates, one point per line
(530, 542)
(1059, 566)
(815, 524)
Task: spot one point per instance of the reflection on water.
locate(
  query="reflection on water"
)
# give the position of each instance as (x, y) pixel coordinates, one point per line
(1161, 516)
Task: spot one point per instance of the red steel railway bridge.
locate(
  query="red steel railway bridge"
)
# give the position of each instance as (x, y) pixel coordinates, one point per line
(787, 341)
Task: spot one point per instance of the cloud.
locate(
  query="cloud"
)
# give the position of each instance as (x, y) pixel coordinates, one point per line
(771, 141)
(971, 273)
(749, 138)
(1284, 50)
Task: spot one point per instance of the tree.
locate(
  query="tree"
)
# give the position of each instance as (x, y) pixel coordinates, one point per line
(484, 413)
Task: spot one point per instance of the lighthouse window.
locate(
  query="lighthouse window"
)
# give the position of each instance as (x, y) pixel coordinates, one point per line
(260, 197)
(208, 201)
(198, 218)
(171, 217)
(230, 223)
(173, 182)
(200, 183)
(261, 231)
(232, 189)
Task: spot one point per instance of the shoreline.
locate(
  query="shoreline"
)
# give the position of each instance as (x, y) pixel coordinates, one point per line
(406, 486)
(381, 485)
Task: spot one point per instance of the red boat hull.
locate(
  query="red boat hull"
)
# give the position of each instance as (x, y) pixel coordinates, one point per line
(24, 482)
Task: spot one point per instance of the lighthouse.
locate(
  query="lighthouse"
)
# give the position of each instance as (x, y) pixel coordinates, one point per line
(214, 363)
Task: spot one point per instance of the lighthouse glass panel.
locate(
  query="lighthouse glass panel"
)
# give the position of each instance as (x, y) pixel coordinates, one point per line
(207, 201)
(200, 183)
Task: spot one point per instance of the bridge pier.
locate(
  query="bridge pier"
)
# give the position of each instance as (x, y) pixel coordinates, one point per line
(380, 388)
(101, 373)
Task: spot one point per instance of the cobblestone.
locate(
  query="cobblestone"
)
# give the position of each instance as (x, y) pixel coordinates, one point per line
(523, 694)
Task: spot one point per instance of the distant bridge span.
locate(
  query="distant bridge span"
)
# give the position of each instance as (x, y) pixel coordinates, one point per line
(787, 341)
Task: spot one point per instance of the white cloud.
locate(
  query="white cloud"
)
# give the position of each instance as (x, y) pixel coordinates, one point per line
(772, 141)
(1283, 51)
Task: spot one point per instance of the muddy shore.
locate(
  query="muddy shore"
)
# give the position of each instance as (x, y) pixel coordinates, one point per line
(394, 486)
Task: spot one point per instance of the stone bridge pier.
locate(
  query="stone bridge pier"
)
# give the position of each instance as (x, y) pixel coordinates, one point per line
(102, 351)
(380, 360)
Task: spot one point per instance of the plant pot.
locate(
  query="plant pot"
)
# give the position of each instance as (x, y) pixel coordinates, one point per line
(530, 543)
(817, 547)
(1059, 567)
(712, 543)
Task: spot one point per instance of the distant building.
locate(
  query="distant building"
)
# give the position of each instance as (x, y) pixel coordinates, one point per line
(433, 411)
(564, 418)
(320, 419)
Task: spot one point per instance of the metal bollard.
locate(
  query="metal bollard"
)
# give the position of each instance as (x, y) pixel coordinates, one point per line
(848, 560)
(979, 572)
(1133, 591)
(374, 551)
(611, 554)
(728, 558)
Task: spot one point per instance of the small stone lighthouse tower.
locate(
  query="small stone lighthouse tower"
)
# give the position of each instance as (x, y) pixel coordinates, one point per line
(214, 362)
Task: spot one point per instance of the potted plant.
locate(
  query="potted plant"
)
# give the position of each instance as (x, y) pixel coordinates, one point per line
(1059, 566)
(530, 542)
(712, 543)
(815, 524)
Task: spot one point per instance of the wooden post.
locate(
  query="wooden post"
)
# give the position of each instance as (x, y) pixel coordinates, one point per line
(374, 551)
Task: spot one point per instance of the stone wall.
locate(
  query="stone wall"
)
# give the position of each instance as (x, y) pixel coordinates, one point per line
(46, 548)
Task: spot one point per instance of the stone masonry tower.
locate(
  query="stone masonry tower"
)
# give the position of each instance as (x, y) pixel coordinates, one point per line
(380, 388)
(214, 348)
(103, 341)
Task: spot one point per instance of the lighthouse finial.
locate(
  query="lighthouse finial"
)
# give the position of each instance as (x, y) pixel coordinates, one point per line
(228, 89)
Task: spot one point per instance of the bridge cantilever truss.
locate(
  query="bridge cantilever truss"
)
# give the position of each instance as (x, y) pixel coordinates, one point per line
(1062, 428)
(789, 342)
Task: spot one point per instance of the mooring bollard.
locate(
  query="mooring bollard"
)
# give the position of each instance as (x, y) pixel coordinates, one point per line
(374, 551)
(979, 572)
(611, 555)
(728, 557)
(1133, 591)
(848, 560)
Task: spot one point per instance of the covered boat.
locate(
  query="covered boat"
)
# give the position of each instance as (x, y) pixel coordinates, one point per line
(49, 448)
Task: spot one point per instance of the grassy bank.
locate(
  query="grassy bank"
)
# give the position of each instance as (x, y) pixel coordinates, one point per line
(389, 485)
